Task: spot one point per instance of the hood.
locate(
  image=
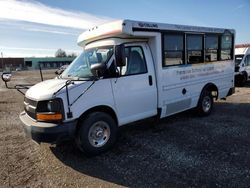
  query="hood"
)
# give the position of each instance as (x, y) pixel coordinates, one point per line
(45, 90)
(240, 51)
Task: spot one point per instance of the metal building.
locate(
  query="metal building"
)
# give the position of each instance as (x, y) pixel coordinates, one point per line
(11, 64)
(47, 62)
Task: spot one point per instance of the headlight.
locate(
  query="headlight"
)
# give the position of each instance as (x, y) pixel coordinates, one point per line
(49, 106)
(50, 110)
(53, 106)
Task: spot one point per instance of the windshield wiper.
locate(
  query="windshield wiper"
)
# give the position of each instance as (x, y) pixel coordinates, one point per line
(75, 78)
(84, 79)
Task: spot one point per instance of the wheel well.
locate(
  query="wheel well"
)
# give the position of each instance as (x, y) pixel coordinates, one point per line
(102, 108)
(213, 89)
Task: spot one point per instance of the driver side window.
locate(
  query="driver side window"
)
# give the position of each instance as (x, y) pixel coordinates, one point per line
(135, 61)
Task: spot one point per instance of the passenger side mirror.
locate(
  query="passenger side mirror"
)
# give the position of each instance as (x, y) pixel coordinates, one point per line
(120, 55)
(98, 69)
(6, 77)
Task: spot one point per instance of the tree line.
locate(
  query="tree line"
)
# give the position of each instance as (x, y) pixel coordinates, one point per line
(62, 53)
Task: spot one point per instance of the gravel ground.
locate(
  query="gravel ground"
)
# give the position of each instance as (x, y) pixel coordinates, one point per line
(180, 151)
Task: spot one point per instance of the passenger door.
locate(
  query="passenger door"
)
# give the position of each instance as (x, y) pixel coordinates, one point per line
(135, 91)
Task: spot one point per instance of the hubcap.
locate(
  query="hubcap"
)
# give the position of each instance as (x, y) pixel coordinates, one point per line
(99, 134)
(206, 103)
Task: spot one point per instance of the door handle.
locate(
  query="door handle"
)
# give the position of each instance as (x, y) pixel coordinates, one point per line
(184, 91)
(150, 80)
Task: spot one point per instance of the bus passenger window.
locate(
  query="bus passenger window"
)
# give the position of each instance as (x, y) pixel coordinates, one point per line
(194, 49)
(211, 48)
(173, 49)
(226, 47)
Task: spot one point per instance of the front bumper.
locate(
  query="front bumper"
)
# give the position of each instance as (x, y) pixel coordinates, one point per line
(47, 132)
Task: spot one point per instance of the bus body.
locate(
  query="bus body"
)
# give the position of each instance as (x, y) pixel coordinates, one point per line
(128, 71)
(242, 64)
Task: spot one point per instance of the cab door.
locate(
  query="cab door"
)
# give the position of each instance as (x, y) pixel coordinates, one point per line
(135, 93)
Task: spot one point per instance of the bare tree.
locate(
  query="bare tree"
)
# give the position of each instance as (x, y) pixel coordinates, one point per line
(60, 53)
(72, 54)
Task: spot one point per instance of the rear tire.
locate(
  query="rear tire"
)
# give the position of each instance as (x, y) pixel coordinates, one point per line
(97, 133)
(205, 104)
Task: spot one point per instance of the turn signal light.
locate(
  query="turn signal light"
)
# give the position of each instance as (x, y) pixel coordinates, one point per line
(49, 117)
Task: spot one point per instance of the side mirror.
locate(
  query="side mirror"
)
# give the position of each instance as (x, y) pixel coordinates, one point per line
(61, 69)
(6, 77)
(98, 69)
(120, 55)
(59, 72)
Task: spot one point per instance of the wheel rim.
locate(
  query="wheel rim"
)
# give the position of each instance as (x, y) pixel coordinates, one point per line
(99, 134)
(206, 103)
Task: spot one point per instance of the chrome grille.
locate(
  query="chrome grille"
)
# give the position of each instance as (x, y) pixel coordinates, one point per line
(30, 102)
(30, 107)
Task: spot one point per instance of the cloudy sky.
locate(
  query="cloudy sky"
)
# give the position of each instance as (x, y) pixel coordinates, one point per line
(39, 28)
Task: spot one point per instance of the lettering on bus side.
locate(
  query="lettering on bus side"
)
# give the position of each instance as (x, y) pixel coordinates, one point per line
(194, 72)
(148, 25)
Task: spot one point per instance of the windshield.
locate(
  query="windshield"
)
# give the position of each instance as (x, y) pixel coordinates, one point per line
(238, 59)
(80, 67)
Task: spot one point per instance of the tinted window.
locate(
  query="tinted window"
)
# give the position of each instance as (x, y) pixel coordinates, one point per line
(173, 49)
(211, 42)
(226, 42)
(226, 47)
(194, 49)
(194, 42)
(173, 42)
(211, 48)
(225, 54)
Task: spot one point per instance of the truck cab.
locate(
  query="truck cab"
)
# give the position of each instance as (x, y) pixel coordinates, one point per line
(114, 94)
(242, 65)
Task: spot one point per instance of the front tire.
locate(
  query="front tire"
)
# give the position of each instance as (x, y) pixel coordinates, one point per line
(205, 104)
(97, 133)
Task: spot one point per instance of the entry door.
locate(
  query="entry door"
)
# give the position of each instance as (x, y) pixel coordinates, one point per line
(135, 91)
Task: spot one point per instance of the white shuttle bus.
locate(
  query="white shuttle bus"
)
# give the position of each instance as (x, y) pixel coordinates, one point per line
(128, 71)
(242, 64)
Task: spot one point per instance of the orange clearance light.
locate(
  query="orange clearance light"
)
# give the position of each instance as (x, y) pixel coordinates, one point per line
(49, 117)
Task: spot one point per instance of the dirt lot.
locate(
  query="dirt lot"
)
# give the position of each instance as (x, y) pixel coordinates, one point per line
(183, 150)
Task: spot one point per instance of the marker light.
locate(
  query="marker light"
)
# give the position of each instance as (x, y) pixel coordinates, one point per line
(49, 117)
